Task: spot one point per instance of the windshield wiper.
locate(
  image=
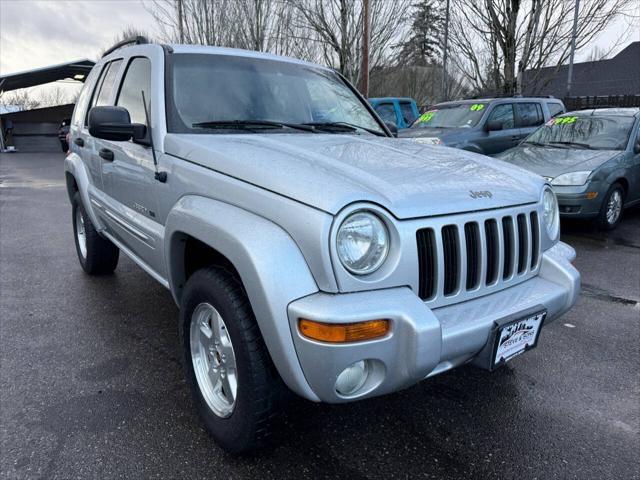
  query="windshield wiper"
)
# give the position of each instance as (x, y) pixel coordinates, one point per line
(538, 144)
(251, 125)
(575, 144)
(342, 126)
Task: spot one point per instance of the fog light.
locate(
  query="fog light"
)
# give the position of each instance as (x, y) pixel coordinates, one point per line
(352, 378)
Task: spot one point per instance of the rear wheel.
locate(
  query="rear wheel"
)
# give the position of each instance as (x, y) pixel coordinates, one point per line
(96, 254)
(237, 391)
(611, 210)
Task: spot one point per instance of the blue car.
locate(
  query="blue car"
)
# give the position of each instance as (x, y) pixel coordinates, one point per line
(402, 111)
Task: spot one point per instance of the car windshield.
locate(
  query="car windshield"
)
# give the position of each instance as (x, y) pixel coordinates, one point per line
(222, 93)
(587, 132)
(451, 116)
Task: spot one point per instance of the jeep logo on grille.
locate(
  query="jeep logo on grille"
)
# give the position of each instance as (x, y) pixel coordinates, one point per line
(480, 194)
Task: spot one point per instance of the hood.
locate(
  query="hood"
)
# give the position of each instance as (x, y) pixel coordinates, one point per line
(446, 135)
(330, 171)
(551, 162)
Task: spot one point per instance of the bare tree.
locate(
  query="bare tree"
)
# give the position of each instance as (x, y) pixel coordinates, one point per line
(494, 41)
(53, 96)
(337, 27)
(21, 99)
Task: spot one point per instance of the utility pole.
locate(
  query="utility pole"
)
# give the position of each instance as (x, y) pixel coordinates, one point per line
(445, 52)
(180, 27)
(573, 46)
(364, 66)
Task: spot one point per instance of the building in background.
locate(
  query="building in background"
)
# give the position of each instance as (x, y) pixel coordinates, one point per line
(617, 76)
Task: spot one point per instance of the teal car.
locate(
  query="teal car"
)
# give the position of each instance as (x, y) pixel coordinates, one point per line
(591, 158)
(402, 111)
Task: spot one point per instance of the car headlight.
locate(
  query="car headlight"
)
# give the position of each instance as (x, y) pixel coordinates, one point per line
(362, 243)
(551, 213)
(571, 179)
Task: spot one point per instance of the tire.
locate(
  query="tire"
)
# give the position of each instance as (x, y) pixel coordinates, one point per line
(97, 255)
(606, 219)
(246, 420)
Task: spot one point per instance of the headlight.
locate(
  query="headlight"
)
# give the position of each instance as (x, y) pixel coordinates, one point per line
(362, 243)
(571, 179)
(550, 213)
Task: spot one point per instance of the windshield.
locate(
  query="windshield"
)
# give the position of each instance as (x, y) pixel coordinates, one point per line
(204, 89)
(597, 133)
(451, 116)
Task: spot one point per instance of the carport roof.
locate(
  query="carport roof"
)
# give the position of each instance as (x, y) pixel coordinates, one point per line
(77, 70)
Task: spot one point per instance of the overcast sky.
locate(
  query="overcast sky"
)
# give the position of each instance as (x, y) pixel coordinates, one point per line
(37, 33)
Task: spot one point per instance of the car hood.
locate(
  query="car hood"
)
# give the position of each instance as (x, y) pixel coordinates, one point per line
(551, 162)
(330, 171)
(446, 135)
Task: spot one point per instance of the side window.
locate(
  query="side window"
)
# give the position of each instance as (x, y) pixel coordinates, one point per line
(407, 113)
(555, 109)
(104, 86)
(529, 114)
(83, 99)
(503, 114)
(137, 79)
(386, 112)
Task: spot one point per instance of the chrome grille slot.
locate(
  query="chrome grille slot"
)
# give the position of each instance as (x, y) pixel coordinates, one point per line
(523, 243)
(427, 261)
(465, 256)
(507, 232)
(491, 233)
(450, 246)
(472, 238)
(535, 240)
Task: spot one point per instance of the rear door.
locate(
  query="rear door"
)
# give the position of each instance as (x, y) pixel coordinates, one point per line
(529, 117)
(500, 140)
(129, 177)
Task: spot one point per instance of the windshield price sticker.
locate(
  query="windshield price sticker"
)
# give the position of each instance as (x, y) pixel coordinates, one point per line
(476, 107)
(427, 116)
(562, 121)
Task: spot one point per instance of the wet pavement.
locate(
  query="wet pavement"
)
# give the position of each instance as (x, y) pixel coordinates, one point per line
(91, 381)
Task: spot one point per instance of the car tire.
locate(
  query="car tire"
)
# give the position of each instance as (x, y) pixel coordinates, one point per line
(64, 145)
(223, 347)
(97, 255)
(611, 209)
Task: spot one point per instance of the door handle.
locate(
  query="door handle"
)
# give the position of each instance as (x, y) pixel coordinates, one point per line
(106, 154)
(78, 141)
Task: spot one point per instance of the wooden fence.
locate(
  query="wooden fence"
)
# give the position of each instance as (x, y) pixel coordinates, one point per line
(581, 103)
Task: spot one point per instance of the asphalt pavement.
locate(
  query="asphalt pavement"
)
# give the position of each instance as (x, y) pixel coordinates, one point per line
(92, 385)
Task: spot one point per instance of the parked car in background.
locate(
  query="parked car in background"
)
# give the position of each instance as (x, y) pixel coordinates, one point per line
(489, 125)
(63, 131)
(402, 111)
(591, 158)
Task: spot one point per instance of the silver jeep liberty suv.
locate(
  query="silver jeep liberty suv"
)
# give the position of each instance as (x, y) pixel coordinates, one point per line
(308, 249)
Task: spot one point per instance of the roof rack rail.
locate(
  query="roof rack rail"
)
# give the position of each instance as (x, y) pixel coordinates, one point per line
(507, 95)
(139, 40)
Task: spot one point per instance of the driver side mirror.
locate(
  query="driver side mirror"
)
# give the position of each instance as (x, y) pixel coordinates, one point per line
(493, 126)
(114, 123)
(393, 128)
(636, 147)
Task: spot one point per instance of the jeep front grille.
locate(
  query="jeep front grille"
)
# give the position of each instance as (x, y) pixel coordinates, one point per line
(468, 256)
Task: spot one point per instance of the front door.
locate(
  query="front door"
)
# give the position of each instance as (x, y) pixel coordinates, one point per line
(500, 140)
(128, 175)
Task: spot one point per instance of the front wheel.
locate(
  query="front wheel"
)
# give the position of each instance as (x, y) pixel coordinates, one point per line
(96, 254)
(237, 391)
(611, 210)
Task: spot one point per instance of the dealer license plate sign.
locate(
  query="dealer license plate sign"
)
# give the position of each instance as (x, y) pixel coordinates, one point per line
(517, 337)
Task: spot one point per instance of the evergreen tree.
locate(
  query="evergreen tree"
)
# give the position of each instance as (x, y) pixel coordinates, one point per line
(423, 46)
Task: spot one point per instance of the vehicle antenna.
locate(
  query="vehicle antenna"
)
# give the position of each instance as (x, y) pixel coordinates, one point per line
(160, 176)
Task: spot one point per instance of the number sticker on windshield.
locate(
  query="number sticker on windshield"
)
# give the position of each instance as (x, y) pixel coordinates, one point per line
(476, 107)
(562, 121)
(427, 116)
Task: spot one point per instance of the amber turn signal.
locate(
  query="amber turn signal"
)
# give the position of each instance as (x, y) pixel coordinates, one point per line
(343, 332)
(591, 195)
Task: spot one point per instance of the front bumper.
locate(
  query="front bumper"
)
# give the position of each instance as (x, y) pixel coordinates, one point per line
(574, 203)
(422, 342)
